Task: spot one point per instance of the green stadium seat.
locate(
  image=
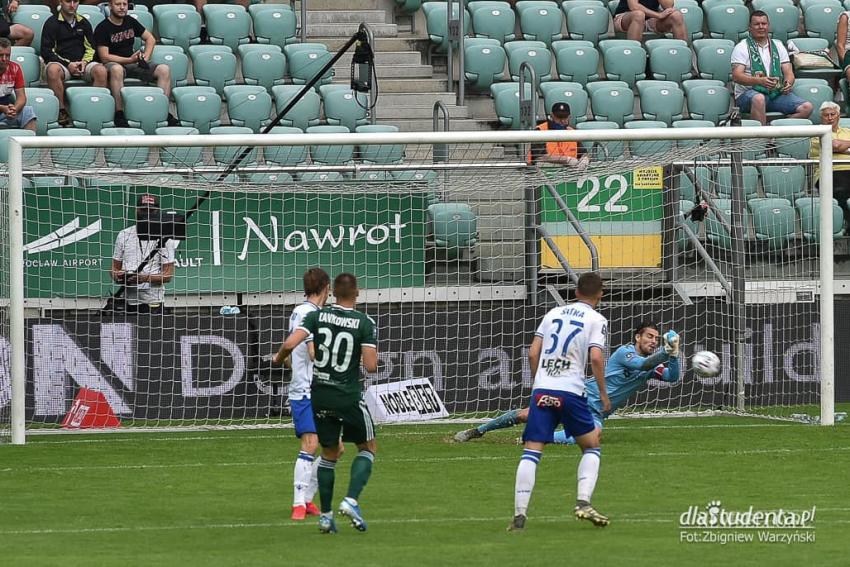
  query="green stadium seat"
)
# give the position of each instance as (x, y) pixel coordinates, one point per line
(586, 21)
(32, 17)
(484, 62)
(285, 155)
(691, 182)
(783, 181)
(624, 62)
(539, 21)
(91, 108)
(305, 113)
(30, 64)
(691, 84)
(662, 103)
(454, 226)
(408, 7)
(126, 157)
(670, 62)
(92, 13)
(506, 100)
(436, 23)
(715, 231)
(344, 107)
(694, 18)
(648, 148)
(797, 148)
(704, 145)
(754, 148)
(614, 104)
(602, 151)
(493, 20)
(307, 59)
(227, 25)
(784, 21)
(262, 65)
(46, 107)
(146, 19)
(180, 156)
(576, 61)
(379, 153)
(811, 43)
(52, 181)
(145, 108)
(815, 93)
(270, 178)
(764, 4)
(774, 222)
(30, 155)
(806, 4)
(427, 178)
(821, 21)
(198, 107)
(709, 4)
(535, 53)
(714, 58)
(808, 208)
(723, 184)
(331, 155)
(72, 157)
(571, 93)
(177, 61)
(708, 103)
(249, 106)
(214, 67)
(320, 177)
(226, 155)
(728, 21)
(374, 176)
(178, 24)
(274, 24)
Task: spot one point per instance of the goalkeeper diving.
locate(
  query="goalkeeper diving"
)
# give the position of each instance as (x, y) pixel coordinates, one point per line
(627, 370)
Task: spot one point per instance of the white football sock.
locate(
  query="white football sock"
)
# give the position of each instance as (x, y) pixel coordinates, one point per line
(525, 476)
(301, 478)
(588, 472)
(313, 487)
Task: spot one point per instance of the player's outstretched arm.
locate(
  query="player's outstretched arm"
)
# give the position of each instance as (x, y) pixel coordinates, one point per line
(636, 362)
(672, 373)
(293, 340)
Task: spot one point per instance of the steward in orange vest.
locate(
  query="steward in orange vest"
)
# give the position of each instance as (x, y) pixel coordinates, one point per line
(564, 153)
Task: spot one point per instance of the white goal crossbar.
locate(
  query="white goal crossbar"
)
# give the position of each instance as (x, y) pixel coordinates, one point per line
(16, 206)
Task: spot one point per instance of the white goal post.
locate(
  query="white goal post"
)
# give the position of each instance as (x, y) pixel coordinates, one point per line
(15, 204)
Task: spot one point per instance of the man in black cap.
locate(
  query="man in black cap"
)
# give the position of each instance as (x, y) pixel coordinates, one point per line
(145, 291)
(563, 153)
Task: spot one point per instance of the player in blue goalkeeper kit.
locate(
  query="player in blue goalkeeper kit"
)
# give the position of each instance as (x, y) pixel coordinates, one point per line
(626, 372)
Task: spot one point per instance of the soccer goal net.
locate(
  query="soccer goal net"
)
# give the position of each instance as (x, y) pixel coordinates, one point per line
(147, 280)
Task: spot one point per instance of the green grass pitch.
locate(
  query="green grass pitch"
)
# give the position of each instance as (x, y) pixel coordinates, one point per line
(223, 498)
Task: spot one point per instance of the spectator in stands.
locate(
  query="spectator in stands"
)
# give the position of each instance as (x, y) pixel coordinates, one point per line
(830, 113)
(18, 33)
(842, 46)
(67, 47)
(145, 291)
(633, 17)
(763, 74)
(14, 113)
(562, 153)
(114, 38)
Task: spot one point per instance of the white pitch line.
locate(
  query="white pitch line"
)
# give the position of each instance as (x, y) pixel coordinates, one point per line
(456, 458)
(386, 431)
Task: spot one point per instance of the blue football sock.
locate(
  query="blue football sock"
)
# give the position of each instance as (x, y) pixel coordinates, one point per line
(507, 419)
(562, 438)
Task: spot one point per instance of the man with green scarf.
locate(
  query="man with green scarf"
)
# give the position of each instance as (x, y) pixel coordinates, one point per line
(763, 75)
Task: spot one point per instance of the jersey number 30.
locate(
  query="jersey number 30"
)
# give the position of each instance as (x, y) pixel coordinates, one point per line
(337, 354)
(556, 336)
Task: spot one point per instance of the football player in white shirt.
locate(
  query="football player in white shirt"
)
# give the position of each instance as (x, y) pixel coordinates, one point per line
(564, 341)
(317, 287)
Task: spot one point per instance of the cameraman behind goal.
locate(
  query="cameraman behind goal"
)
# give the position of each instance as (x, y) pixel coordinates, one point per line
(145, 291)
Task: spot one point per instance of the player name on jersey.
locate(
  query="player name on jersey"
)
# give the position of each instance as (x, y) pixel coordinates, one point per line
(346, 322)
(409, 400)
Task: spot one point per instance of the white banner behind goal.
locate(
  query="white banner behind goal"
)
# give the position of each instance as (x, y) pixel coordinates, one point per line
(460, 241)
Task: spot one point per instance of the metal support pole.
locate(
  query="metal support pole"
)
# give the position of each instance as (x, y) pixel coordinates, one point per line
(738, 299)
(827, 313)
(461, 72)
(17, 331)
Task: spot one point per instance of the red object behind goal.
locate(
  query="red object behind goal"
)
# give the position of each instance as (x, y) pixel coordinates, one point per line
(90, 409)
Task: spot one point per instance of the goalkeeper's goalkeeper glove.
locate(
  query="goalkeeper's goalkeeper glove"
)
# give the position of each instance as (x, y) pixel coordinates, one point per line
(671, 343)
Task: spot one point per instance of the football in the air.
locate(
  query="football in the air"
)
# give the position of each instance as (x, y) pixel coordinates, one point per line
(706, 363)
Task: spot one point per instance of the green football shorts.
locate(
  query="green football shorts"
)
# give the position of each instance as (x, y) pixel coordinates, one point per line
(352, 421)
